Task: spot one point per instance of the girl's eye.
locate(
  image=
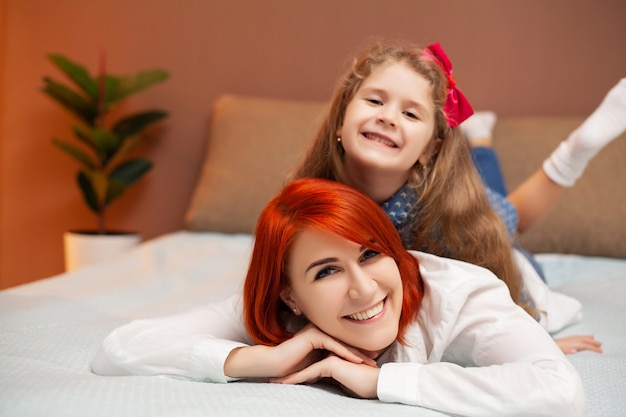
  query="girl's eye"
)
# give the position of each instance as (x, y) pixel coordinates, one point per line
(374, 101)
(369, 254)
(325, 272)
(411, 115)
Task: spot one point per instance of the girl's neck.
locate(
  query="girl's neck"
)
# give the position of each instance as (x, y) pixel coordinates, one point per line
(379, 186)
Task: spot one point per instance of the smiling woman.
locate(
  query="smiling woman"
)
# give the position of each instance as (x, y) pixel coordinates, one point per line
(331, 292)
(361, 289)
(316, 235)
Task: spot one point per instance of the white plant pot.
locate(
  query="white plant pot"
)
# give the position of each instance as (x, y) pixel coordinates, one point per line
(83, 248)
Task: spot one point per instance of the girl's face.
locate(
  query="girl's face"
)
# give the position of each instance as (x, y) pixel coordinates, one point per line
(389, 124)
(349, 292)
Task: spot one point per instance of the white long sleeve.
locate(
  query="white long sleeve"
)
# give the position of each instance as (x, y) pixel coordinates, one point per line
(193, 345)
(474, 353)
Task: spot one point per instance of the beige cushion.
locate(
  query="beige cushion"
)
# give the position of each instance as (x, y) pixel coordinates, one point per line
(252, 145)
(588, 219)
(254, 142)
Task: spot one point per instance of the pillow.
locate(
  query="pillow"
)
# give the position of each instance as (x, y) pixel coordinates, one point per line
(253, 144)
(589, 218)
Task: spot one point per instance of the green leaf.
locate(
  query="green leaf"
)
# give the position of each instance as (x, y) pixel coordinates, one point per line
(115, 190)
(70, 100)
(130, 85)
(75, 153)
(134, 124)
(130, 171)
(98, 190)
(106, 143)
(84, 137)
(99, 184)
(77, 73)
(124, 149)
(84, 182)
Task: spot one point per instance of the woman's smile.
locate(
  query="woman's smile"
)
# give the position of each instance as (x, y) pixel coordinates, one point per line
(368, 314)
(347, 290)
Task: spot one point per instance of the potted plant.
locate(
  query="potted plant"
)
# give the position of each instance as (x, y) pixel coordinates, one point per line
(106, 167)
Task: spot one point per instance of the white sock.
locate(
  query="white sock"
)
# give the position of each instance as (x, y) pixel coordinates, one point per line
(479, 125)
(568, 161)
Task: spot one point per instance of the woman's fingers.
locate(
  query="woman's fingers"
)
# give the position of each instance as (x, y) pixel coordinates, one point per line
(359, 379)
(307, 347)
(322, 340)
(573, 344)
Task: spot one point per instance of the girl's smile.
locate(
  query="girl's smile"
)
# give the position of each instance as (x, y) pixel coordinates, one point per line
(378, 138)
(388, 127)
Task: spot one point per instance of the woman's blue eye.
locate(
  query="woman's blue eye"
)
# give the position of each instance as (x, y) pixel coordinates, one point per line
(411, 115)
(325, 272)
(374, 101)
(369, 254)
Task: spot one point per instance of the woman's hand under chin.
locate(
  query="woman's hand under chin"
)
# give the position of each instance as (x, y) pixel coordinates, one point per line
(309, 346)
(358, 379)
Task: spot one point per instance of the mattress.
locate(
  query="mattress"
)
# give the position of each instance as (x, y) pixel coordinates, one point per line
(51, 329)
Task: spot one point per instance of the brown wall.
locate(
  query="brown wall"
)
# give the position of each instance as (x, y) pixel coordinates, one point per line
(531, 57)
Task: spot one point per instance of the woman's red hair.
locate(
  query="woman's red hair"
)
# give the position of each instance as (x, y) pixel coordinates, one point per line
(320, 205)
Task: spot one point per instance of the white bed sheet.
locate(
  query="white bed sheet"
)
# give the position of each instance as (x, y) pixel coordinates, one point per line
(51, 329)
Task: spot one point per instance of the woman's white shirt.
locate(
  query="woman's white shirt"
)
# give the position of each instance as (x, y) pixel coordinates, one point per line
(471, 352)
(474, 352)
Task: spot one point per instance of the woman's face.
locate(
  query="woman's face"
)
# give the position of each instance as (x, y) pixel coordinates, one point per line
(389, 124)
(349, 292)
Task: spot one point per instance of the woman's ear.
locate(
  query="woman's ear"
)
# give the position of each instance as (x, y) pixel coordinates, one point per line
(432, 149)
(287, 298)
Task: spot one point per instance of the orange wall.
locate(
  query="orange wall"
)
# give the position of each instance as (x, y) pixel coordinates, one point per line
(531, 57)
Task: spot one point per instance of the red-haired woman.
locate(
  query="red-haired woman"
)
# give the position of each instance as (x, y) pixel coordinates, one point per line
(331, 292)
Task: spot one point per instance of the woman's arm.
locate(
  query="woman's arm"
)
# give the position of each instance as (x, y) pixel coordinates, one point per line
(210, 344)
(308, 346)
(486, 356)
(192, 345)
(540, 385)
(492, 360)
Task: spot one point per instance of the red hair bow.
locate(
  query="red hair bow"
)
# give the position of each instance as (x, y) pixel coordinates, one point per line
(457, 108)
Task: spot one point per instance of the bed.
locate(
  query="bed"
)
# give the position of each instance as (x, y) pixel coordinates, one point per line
(52, 328)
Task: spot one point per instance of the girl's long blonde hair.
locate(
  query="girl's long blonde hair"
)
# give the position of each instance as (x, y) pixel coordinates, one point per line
(455, 217)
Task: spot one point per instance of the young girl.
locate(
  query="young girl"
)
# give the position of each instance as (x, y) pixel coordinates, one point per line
(392, 132)
(332, 293)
